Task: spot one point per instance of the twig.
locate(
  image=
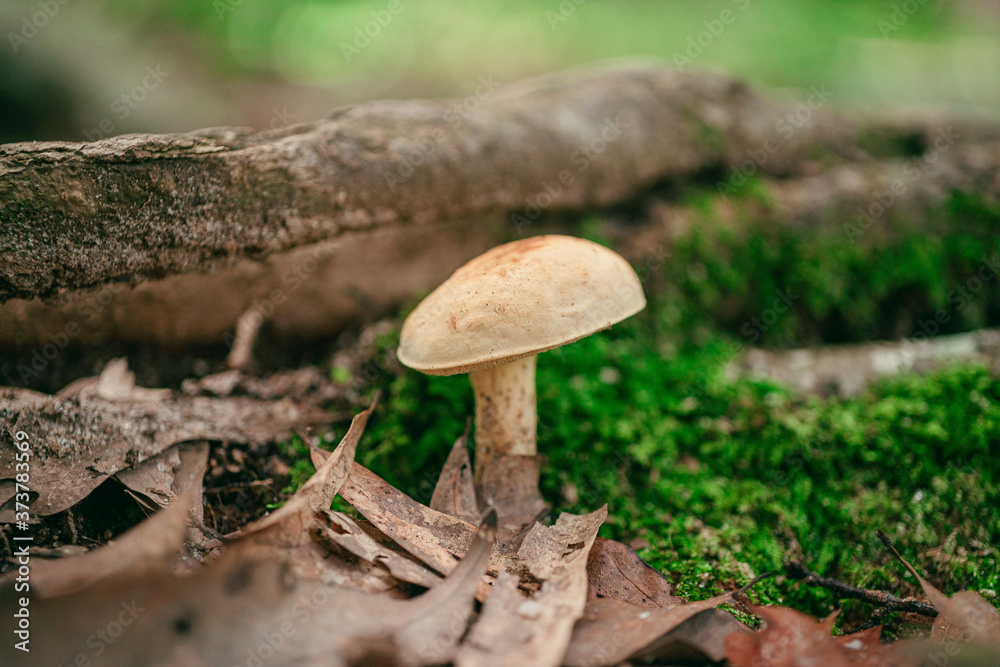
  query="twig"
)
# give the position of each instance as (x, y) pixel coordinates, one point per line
(888, 543)
(740, 600)
(208, 531)
(247, 328)
(877, 617)
(797, 570)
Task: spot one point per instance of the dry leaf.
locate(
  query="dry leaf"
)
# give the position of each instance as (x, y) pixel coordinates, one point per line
(455, 493)
(160, 478)
(347, 534)
(437, 539)
(966, 610)
(535, 630)
(615, 571)
(149, 548)
(631, 614)
(239, 611)
(297, 532)
(792, 639)
(700, 638)
(510, 483)
(79, 442)
(612, 631)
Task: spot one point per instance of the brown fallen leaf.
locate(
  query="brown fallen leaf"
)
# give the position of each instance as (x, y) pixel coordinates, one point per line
(967, 611)
(510, 483)
(792, 639)
(149, 548)
(248, 611)
(347, 534)
(699, 639)
(535, 630)
(78, 442)
(615, 571)
(455, 493)
(437, 539)
(297, 532)
(612, 631)
(156, 481)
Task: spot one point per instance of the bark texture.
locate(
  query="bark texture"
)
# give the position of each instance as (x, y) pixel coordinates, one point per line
(136, 207)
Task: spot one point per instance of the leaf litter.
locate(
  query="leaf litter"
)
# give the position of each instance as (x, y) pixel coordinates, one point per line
(476, 578)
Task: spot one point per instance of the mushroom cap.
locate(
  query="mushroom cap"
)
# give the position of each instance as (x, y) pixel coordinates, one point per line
(516, 300)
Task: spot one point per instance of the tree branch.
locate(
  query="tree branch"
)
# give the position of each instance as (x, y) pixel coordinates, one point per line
(797, 570)
(138, 207)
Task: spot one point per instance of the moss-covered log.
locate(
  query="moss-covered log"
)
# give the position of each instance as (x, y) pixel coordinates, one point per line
(136, 207)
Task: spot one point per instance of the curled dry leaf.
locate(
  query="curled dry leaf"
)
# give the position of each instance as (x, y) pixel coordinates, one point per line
(699, 639)
(612, 631)
(615, 571)
(156, 481)
(437, 539)
(965, 611)
(297, 532)
(148, 549)
(241, 610)
(455, 493)
(535, 630)
(510, 483)
(792, 639)
(347, 534)
(81, 441)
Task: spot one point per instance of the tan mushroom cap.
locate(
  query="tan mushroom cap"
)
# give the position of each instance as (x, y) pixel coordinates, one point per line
(516, 300)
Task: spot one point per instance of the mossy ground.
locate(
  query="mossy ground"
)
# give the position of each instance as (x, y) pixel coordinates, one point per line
(725, 478)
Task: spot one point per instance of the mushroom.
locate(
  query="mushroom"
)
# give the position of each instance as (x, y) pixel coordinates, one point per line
(493, 316)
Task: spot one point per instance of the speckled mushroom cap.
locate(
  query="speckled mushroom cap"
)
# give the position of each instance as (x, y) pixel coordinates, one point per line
(516, 300)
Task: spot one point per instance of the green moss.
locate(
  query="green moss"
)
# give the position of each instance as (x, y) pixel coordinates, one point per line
(726, 479)
(297, 450)
(846, 282)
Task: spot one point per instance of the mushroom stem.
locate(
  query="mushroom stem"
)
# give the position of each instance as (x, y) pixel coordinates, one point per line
(506, 418)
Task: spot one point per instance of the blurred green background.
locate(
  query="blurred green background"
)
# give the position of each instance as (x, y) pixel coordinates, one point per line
(271, 62)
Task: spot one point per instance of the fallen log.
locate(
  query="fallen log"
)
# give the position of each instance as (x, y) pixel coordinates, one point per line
(138, 207)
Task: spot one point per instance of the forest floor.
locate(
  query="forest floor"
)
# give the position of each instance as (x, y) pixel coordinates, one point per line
(713, 478)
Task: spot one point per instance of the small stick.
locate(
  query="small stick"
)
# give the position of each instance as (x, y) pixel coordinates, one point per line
(208, 531)
(877, 617)
(888, 543)
(247, 328)
(797, 570)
